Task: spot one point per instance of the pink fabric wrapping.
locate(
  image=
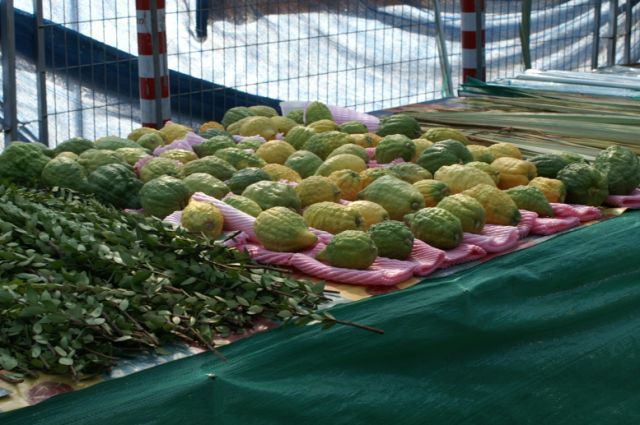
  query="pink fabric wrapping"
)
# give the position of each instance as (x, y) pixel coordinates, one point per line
(241, 138)
(384, 271)
(550, 226)
(371, 152)
(381, 273)
(322, 235)
(425, 258)
(174, 219)
(234, 219)
(462, 254)
(494, 238)
(339, 113)
(141, 162)
(240, 238)
(631, 200)
(314, 250)
(392, 263)
(176, 144)
(374, 164)
(288, 182)
(582, 212)
(342, 115)
(266, 256)
(526, 221)
(193, 139)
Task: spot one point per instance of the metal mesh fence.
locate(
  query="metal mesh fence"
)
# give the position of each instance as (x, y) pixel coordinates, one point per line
(503, 47)
(340, 52)
(562, 34)
(91, 87)
(363, 54)
(635, 33)
(628, 31)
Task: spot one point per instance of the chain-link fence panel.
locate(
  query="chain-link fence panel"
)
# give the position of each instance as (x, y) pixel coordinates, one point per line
(503, 46)
(91, 68)
(562, 34)
(628, 41)
(365, 55)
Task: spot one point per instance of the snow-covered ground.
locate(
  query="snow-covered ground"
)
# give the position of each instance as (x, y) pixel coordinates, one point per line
(366, 56)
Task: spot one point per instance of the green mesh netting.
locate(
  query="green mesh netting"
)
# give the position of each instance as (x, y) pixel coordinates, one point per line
(546, 335)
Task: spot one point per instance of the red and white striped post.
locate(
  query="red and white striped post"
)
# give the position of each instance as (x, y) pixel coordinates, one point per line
(153, 67)
(473, 39)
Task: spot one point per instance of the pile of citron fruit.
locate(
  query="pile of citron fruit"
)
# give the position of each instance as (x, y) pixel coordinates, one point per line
(443, 185)
(295, 172)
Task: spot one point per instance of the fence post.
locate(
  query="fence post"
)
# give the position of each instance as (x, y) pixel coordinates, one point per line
(613, 32)
(473, 39)
(153, 68)
(41, 76)
(627, 33)
(445, 67)
(8, 39)
(595, 53)
(525, 33)
(202, 18)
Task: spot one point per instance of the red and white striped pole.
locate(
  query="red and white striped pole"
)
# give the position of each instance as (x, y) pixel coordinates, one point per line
(153, 68)
(473, 39)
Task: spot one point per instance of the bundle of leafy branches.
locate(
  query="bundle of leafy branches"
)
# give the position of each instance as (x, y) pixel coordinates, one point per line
(83, 284)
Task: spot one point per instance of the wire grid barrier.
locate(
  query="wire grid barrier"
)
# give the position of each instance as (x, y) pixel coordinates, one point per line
(341, 52)
(88, 93)
(27, 123)
(25, 100)
(503, 46)
(633, 29)
(562, 34)
(363, 54)
(635, 32)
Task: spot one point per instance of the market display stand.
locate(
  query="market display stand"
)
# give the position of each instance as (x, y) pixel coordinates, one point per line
(544, 334)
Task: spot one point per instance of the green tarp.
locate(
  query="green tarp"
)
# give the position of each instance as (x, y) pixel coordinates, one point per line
(546, 335)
